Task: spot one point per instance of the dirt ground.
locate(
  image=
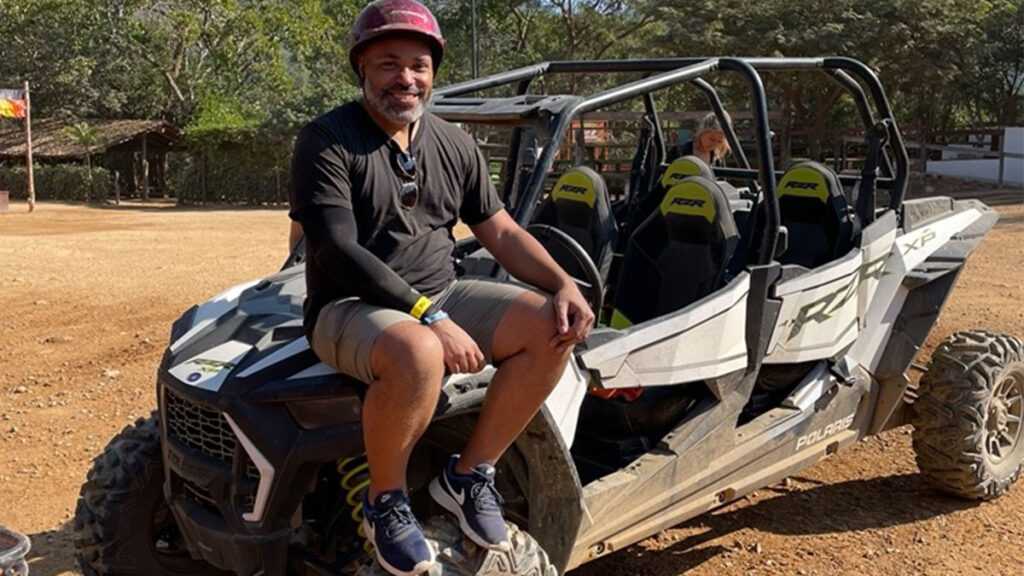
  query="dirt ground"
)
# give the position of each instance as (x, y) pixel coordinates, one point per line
(87, 296)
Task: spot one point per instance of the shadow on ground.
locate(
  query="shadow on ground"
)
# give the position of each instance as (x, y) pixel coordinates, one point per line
(52, 553)
(823, 509)
(169, 205)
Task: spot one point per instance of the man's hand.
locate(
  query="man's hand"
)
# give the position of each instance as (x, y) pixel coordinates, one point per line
(573, 317)
(461, 354)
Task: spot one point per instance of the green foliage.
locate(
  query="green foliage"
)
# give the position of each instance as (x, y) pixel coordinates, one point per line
(84, 135)
(171, 59)
(241, 77)
(251, 173)
(66, 182)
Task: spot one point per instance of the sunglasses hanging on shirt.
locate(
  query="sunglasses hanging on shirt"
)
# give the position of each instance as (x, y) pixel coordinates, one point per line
(405, 168)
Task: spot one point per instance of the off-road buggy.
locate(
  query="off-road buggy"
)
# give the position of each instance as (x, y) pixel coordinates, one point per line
(753, 323)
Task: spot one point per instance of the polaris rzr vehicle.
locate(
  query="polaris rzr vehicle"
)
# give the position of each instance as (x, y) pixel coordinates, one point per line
(751, 323)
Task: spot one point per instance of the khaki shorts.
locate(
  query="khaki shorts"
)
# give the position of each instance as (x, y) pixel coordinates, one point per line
(346, 329)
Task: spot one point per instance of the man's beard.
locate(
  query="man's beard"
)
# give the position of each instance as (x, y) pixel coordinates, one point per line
(378, 101)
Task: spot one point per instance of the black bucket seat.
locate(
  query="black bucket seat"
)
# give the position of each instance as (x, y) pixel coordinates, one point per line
(678, 254)
(674, 173)
(821, 224)
(579, 206)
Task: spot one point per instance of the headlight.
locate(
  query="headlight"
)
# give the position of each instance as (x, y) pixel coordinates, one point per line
(345, 408)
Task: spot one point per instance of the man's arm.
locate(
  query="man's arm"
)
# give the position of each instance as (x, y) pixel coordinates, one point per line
(294, 235)
(332, 243)
(523, 257)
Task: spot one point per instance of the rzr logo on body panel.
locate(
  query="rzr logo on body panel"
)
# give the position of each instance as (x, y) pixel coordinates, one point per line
(824, 308)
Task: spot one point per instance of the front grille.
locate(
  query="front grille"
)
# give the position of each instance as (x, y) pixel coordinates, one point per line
(198, 494)
(250, 468)
(208, 432)
(199, 428)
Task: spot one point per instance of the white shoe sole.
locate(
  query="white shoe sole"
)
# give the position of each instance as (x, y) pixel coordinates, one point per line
(441, 496)
(420, 568)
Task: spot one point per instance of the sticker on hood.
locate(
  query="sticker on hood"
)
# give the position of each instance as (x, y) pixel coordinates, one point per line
(209, 369)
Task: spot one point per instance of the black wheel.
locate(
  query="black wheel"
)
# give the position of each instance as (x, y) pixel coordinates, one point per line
(122, 525)
(457, 556)
(969, 417)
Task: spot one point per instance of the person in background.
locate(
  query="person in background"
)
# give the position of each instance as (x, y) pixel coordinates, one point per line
(709, 142)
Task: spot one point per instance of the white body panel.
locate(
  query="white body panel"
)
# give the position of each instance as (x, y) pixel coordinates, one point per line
(266, 473)
(876, 258)
(704, 340)
(209, 369)
(211, 310)
(908, 252)
(564, 402)
(824, 310)
(287, 351)
(819, 312)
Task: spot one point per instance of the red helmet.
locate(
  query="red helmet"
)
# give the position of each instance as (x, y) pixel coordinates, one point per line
(385, 17)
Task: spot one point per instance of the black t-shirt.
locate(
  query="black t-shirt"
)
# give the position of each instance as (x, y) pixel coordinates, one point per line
(343, 159)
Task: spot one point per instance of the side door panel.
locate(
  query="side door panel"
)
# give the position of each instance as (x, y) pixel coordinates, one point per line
(704, 340)
(907, 252)
(818, 316)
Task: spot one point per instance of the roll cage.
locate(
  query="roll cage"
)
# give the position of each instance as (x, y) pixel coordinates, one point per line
(553, 115)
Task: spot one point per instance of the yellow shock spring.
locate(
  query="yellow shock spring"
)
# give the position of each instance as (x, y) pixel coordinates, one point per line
(355, 480)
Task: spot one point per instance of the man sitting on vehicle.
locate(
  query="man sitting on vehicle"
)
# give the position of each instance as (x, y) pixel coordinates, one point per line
(377, 185)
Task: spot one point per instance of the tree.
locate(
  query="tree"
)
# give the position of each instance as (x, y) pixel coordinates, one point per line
(86, 137)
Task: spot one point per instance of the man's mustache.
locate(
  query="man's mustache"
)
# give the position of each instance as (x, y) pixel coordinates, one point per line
(411, 90)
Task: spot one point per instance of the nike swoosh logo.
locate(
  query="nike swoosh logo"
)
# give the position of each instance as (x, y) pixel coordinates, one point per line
(460, 496)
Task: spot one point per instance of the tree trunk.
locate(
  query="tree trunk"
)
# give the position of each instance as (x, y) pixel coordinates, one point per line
(145, 170)
(88, 177)
(136, 187)
(161, 174)
(816, 139)
(786, 132)
(202, 178)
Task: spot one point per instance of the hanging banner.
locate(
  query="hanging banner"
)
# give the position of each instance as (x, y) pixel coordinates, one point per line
(12, 103)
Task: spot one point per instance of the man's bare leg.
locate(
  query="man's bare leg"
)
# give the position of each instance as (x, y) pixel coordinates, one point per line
(408, 361)
(530, 368)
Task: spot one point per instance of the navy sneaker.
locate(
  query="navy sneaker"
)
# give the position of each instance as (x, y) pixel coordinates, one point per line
(396, 535)
(475, 501)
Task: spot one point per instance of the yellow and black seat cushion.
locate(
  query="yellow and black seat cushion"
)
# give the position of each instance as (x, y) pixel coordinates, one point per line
(678, 255)
(579, 206)
(820, 223)
(674, 173)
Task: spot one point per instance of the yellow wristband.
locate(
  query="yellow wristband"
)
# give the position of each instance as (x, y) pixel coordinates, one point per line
(421, 306)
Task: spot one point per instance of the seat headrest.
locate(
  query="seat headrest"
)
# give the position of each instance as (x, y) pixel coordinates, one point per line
(810, 180)
(695, 196)
(580, 184)
(682, 167)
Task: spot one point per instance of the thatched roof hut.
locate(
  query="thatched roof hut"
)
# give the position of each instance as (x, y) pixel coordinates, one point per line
(49, 141)
(129, 148)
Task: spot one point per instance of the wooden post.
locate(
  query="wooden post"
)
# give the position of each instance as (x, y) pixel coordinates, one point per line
(162, 177)
(1002, 158)
(202, 177)
(277, 175)
(135, 173)
(30, 177)
(836, 165)
(145, 169)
